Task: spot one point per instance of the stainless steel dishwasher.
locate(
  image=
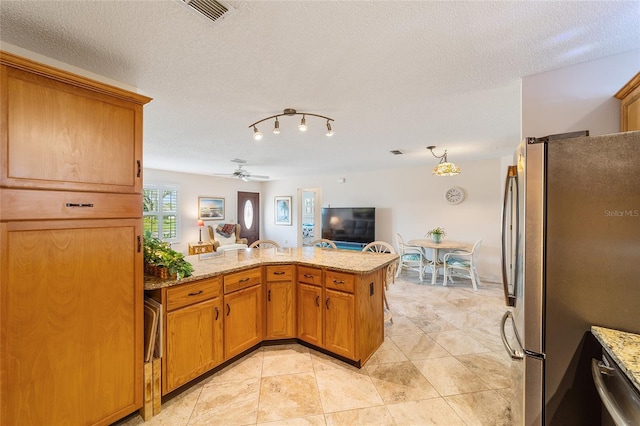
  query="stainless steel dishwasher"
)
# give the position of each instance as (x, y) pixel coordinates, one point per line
(620, 398)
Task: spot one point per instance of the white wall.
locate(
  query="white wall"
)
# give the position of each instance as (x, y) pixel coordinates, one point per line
(409, 201)
(190, 187)
(580, 97)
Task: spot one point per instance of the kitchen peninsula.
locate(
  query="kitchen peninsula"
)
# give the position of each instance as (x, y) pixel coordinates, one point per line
(236, 300)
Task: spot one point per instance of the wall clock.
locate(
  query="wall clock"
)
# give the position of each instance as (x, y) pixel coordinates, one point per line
(454, 195)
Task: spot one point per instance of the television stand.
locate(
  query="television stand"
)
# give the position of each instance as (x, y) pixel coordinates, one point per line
(345, 245)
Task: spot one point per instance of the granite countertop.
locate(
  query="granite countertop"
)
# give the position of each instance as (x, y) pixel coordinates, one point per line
(212, 264)
(624, 348)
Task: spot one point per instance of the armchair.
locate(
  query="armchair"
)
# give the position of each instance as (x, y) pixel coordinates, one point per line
(222, 243)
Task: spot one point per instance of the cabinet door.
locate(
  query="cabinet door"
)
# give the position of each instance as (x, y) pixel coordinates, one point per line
(194, 342)
(71, 318)
(339, 317)
(280, 310)
(61, 136)
(243, 320)
(310, 311)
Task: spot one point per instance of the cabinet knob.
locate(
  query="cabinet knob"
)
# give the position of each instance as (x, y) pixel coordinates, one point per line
(326, 302)
(228, 309)
(318, 300)
(217, 313)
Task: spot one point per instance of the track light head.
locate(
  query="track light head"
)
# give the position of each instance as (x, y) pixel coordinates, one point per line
(303, 124)
(257, 134)
(444, 168)
(276, 128)
(329, 130)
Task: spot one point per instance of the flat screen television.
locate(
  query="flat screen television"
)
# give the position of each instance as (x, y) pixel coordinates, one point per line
(349, 224)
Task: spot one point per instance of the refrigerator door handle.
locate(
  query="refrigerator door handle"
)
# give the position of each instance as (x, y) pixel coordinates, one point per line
(515, 354)
(510, 200)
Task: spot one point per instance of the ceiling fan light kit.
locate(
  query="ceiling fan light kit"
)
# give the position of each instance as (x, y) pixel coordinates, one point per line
(257, 134)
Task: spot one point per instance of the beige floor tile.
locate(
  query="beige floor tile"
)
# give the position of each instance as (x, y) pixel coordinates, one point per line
(449, 376)
(482, 408)
(287, 349)
(175, 412)
(435, 324)
(342, 389)
(322, 362)
(458, 343)
(248, 367)
(400, 382)
(401, 325)
(494, 368)
(433, 411)
(288, 397)
(387, 352)
(419, 346)
(489, 337)
(317, 420)
(228, 403)
(378, 416)
(290, 362)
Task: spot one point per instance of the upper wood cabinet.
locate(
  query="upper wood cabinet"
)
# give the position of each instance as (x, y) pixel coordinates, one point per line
(629, 96)
(62, 131)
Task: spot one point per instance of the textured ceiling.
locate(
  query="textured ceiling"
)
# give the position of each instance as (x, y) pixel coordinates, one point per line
(393, 75)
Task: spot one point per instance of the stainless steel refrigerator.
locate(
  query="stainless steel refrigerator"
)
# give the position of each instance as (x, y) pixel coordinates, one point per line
(571, 259)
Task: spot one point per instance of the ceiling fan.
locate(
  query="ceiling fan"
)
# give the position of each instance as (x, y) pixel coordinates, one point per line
(243, 174)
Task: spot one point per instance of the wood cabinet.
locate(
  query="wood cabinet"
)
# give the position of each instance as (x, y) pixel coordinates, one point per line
(341, 312)
(71, 300)
(310, 305)
(281, 300)
(243, 311)
(629, 96)
(194, 331)
(339, 316)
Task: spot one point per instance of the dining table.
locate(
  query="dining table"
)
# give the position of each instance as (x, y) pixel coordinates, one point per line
(436, 264)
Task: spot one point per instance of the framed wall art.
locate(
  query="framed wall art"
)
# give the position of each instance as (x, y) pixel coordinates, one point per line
(210, 208)
(283, 210)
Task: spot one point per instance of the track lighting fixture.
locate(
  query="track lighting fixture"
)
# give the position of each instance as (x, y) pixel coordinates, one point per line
(444, 168)
(257, 134)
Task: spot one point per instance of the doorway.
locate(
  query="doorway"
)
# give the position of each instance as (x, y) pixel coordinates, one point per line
(309, 211)
(249, 215)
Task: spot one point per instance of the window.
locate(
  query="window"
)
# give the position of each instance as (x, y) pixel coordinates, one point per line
(160, 211)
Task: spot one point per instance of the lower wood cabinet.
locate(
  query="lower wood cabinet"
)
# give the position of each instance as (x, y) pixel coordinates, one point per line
(339, 327)
(310, 313)
(70, 321)
(194, 332)
(281, 302)
(209, 321)
(242, 311)
(194, 343)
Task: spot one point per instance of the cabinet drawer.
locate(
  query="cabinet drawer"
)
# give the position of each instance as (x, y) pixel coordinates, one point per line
(280, 273)
(26, 204)
(187, 294)
(243, 279)
(339, 281)
(309, 275)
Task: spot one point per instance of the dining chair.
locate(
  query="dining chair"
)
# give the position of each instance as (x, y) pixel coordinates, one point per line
(264, 244)
(462, 263)
(384, 247)
(411, 257)
(323, 243)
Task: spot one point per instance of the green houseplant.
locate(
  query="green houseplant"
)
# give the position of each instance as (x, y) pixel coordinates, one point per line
(161, 260)
(436, 234)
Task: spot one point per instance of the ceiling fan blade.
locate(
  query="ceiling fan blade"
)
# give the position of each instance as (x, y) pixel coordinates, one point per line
(258, 177)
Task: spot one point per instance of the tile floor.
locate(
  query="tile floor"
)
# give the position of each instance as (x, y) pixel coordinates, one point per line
(442, 363)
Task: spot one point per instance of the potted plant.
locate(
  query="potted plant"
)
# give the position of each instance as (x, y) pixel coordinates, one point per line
(161, 260)
(436, 234)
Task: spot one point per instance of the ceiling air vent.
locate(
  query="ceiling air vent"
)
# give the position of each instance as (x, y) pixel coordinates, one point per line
(212, 9)
(396, 152)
